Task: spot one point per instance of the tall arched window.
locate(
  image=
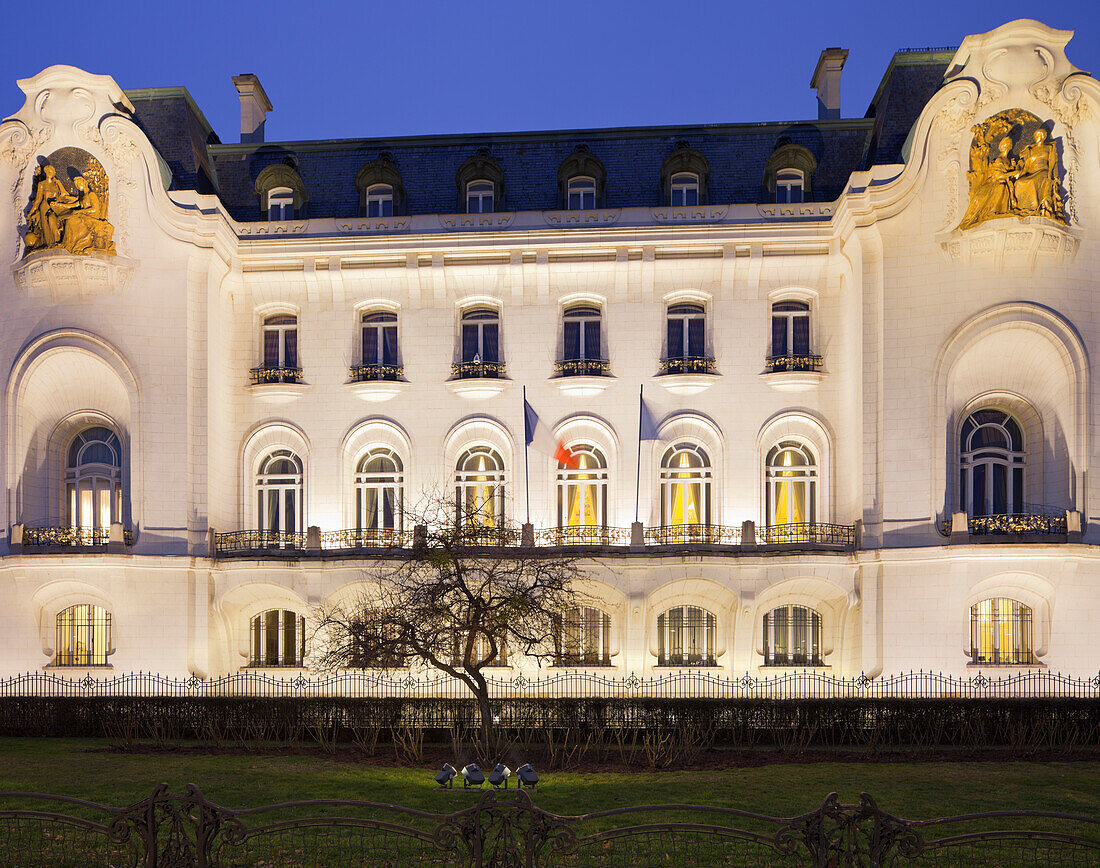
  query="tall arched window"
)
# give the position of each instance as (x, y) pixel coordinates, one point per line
(582, 491)
(279, 484)
(686, 637)
(583, 638)
(479, 487)
(83, 636)
(278, 638)
(791, 485)
(792, 637)
(1000, 632)
(581, 193)
(991, 464)
(93, 480)
(379, 492)
(279, 362)
(685, 486)
(379, 347)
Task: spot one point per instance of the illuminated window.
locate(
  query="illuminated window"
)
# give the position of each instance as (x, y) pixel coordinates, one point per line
(581, 193)
(686, 636)
(686, 331)
(583, 638)
(280, 203)
(792, 637)
(476, 649)
(379, 200)
(479, 197)
(684, 187)
(279, 483)
(479, 487)
(278, 638)
(791, 484)
(582, 492)
(280, 334)
(789, 186)
(379, 492)
(685, 486)
(93, 480)
(790, 328)
(581, 326)
(1000, 632)
(380, 342)
(481, 336)
(991, 464)
(83, 636)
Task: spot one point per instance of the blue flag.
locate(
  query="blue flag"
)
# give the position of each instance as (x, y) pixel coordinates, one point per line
(647, 425)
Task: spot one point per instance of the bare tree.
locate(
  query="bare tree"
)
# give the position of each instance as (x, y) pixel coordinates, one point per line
(465, 597)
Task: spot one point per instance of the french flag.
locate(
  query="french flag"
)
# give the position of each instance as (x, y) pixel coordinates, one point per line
(539, 435)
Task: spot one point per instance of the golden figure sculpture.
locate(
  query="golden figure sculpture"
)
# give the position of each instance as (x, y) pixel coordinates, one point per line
(76, 219)
(1013, 185)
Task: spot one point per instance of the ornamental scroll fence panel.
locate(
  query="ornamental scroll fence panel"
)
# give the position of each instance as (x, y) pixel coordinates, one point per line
(680, 684)
(186, 829)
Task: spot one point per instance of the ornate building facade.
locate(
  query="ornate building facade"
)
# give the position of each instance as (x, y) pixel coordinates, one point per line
(863, 345)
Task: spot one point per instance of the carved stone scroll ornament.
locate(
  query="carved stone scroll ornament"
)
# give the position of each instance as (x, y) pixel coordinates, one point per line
(68, 208)
(1014, 171)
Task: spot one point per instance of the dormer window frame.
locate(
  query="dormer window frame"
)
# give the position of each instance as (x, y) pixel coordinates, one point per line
(790, 187)
(481, 191)
(685, 160)
(370, 181)
(580, 193)
(273, 185)
(781, 173)
(684, 189)
(478, 170)
(379, 200)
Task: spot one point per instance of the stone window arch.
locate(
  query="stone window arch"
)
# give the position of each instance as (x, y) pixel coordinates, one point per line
(684, 161)
(480, 167)
(273, 181)
(579, 165)
(786, 160)
(371, 181)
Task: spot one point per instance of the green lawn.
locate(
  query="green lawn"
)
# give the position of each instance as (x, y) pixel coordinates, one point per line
(88, 770)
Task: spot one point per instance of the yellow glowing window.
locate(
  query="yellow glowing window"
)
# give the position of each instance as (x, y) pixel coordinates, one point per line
(685, 486)
(791, 485)
(83, 636)
(583, 638)
(582, 492)
(93, 480)
(1000, 632)
(479, 487)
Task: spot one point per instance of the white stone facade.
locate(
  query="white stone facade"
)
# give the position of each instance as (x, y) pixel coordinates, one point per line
(918, 325)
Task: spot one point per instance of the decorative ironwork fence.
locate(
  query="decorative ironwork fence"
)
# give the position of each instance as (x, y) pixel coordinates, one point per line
(263, 375)
(807, 534)
(253, 541)
(680, 684)
(688, 365)
(793, 363)
(693, 534)
(582, 368)
(355, 539)
(67, 536)
(474, 370)
(1038, 523)
(582, 535)
(366, 373)
(173, 830)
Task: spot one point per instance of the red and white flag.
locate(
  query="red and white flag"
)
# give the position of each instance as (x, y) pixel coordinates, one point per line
(540, 436)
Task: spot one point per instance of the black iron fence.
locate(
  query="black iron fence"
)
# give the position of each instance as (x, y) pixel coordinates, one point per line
(367, 373)
(804, 362)
(261, 375)
(583, 535)
(692, 534)
(510, 829)
(839, 535)
(582, 368)
(259, 541)
(688, 365)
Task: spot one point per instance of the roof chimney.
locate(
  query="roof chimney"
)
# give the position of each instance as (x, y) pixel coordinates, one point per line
(826, 82)
(254, 107)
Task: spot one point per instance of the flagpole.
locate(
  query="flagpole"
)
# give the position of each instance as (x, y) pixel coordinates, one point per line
(638, 474)
(526, 471)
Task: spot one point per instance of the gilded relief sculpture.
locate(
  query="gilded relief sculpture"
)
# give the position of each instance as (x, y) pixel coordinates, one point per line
(1022, 184)
(71, 217)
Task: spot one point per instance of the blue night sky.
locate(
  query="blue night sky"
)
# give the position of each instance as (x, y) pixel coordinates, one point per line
(336, 70)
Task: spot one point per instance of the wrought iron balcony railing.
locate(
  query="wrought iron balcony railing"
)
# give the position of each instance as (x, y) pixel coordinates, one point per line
(367, 373)
(689, 534)
(1023, 523)
(70, 537)
(582, 368)
(688, 365)
(258, 541)
(490, 536)
(582, 535)
(355, 539)
(805, 362)
(807, 534)
(262, 375)
(477, 370)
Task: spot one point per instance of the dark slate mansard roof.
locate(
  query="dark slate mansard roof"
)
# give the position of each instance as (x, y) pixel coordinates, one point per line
(632, 157)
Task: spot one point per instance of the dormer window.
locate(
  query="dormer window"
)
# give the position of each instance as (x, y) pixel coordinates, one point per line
(280, 204)
(581, 194)
(480, 197)
(684, 189)
(789, 186)
(379, 200)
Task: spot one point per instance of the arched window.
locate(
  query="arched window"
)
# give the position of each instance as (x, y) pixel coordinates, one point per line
(991, 464)
(684, 189)
(581, 193)
(685, 345)
(789, 185)
(280, 350)
(379, 348)
(278, 638)
(83, 636)
(480, 344)
(685, 486)
(686, 637)
(582, 350)
(582, 492)
(790, 329)
(279, 502)
(379, 493)
(583, 638)
(478, 651)
(479, 196)
(790, 485)
(378, 200)
(280, 203)
(282, 194)
(792, 637)
(1000, 632)
(93, 481)
(479, 488)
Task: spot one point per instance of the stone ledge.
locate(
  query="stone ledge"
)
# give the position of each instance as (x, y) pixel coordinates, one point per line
(1011, 243)
(60, 276)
